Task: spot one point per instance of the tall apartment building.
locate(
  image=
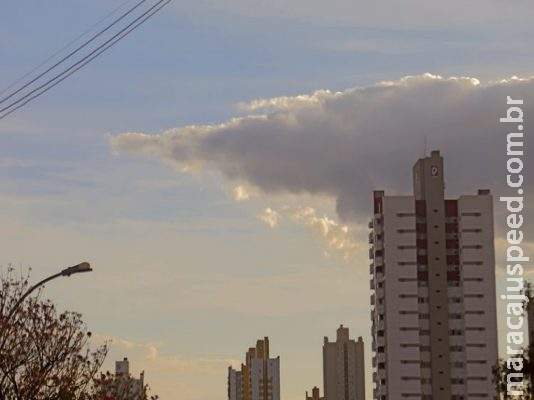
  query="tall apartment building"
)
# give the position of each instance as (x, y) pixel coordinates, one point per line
(259, 378)
(433, 281)
(343, 367)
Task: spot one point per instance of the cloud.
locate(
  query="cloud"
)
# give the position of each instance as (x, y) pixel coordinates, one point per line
(147, 356)
(337, 237)
(285, 102)
(270, 217)
(243, 193)
(346, 144)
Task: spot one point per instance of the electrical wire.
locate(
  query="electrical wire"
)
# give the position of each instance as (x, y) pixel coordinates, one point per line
(94, 37)
(69, 44)
(80, 64)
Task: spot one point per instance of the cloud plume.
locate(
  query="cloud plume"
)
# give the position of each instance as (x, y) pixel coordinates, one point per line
(346, 144)
(270, 217)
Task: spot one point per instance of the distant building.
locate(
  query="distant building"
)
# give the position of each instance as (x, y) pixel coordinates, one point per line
(124, 385)
(259, 378)
(315, 394)
(343, 367)
(235, 384)
(433, 281)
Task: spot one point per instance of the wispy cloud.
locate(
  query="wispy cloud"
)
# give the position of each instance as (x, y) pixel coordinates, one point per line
(337, 237)
(270, 217)
(148, 356)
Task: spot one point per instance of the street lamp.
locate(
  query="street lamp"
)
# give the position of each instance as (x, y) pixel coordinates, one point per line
(75, 269)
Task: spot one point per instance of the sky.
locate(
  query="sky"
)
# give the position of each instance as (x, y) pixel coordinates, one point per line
(216, 167)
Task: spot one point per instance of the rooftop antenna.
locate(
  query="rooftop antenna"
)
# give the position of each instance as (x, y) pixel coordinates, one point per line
(425, 147)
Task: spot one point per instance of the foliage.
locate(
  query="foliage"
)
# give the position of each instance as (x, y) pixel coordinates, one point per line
(44, 354)
(112, 387)
(500, 369)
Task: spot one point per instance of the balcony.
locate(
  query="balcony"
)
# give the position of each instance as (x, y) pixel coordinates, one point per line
(371, 237)
(371, 253)
(370, 225)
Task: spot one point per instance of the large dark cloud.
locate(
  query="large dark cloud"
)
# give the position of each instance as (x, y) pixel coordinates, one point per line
(349, 143)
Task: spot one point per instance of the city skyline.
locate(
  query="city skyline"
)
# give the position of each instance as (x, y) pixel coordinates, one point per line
(215, 167)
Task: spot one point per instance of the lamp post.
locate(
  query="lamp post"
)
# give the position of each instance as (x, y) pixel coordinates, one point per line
(75, 269)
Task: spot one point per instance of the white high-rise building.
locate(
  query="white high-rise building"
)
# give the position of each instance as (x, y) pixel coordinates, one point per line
(433, 292)
(259, 378)
(343, 367)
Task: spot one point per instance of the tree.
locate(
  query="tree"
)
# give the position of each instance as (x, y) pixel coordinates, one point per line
(500, 369)
(44, 354)
(121, 387)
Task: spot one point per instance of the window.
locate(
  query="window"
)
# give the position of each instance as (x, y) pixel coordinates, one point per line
(455, 300)
(471, 214)
(472, 246)
(422, 300)
(405, 214)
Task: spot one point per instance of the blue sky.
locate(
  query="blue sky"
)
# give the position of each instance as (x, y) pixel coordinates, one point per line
(186, 278)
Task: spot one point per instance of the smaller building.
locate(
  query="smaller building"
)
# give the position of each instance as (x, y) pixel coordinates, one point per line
(124, 382)
(343, 367)
(259, 378)
(316, 395)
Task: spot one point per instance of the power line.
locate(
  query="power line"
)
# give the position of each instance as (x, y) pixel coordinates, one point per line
(73, 52)
(50, 84)
(65, 47)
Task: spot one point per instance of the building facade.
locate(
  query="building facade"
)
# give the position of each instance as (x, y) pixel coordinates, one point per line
(259, 377)
(433, 296)
(343, 367)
